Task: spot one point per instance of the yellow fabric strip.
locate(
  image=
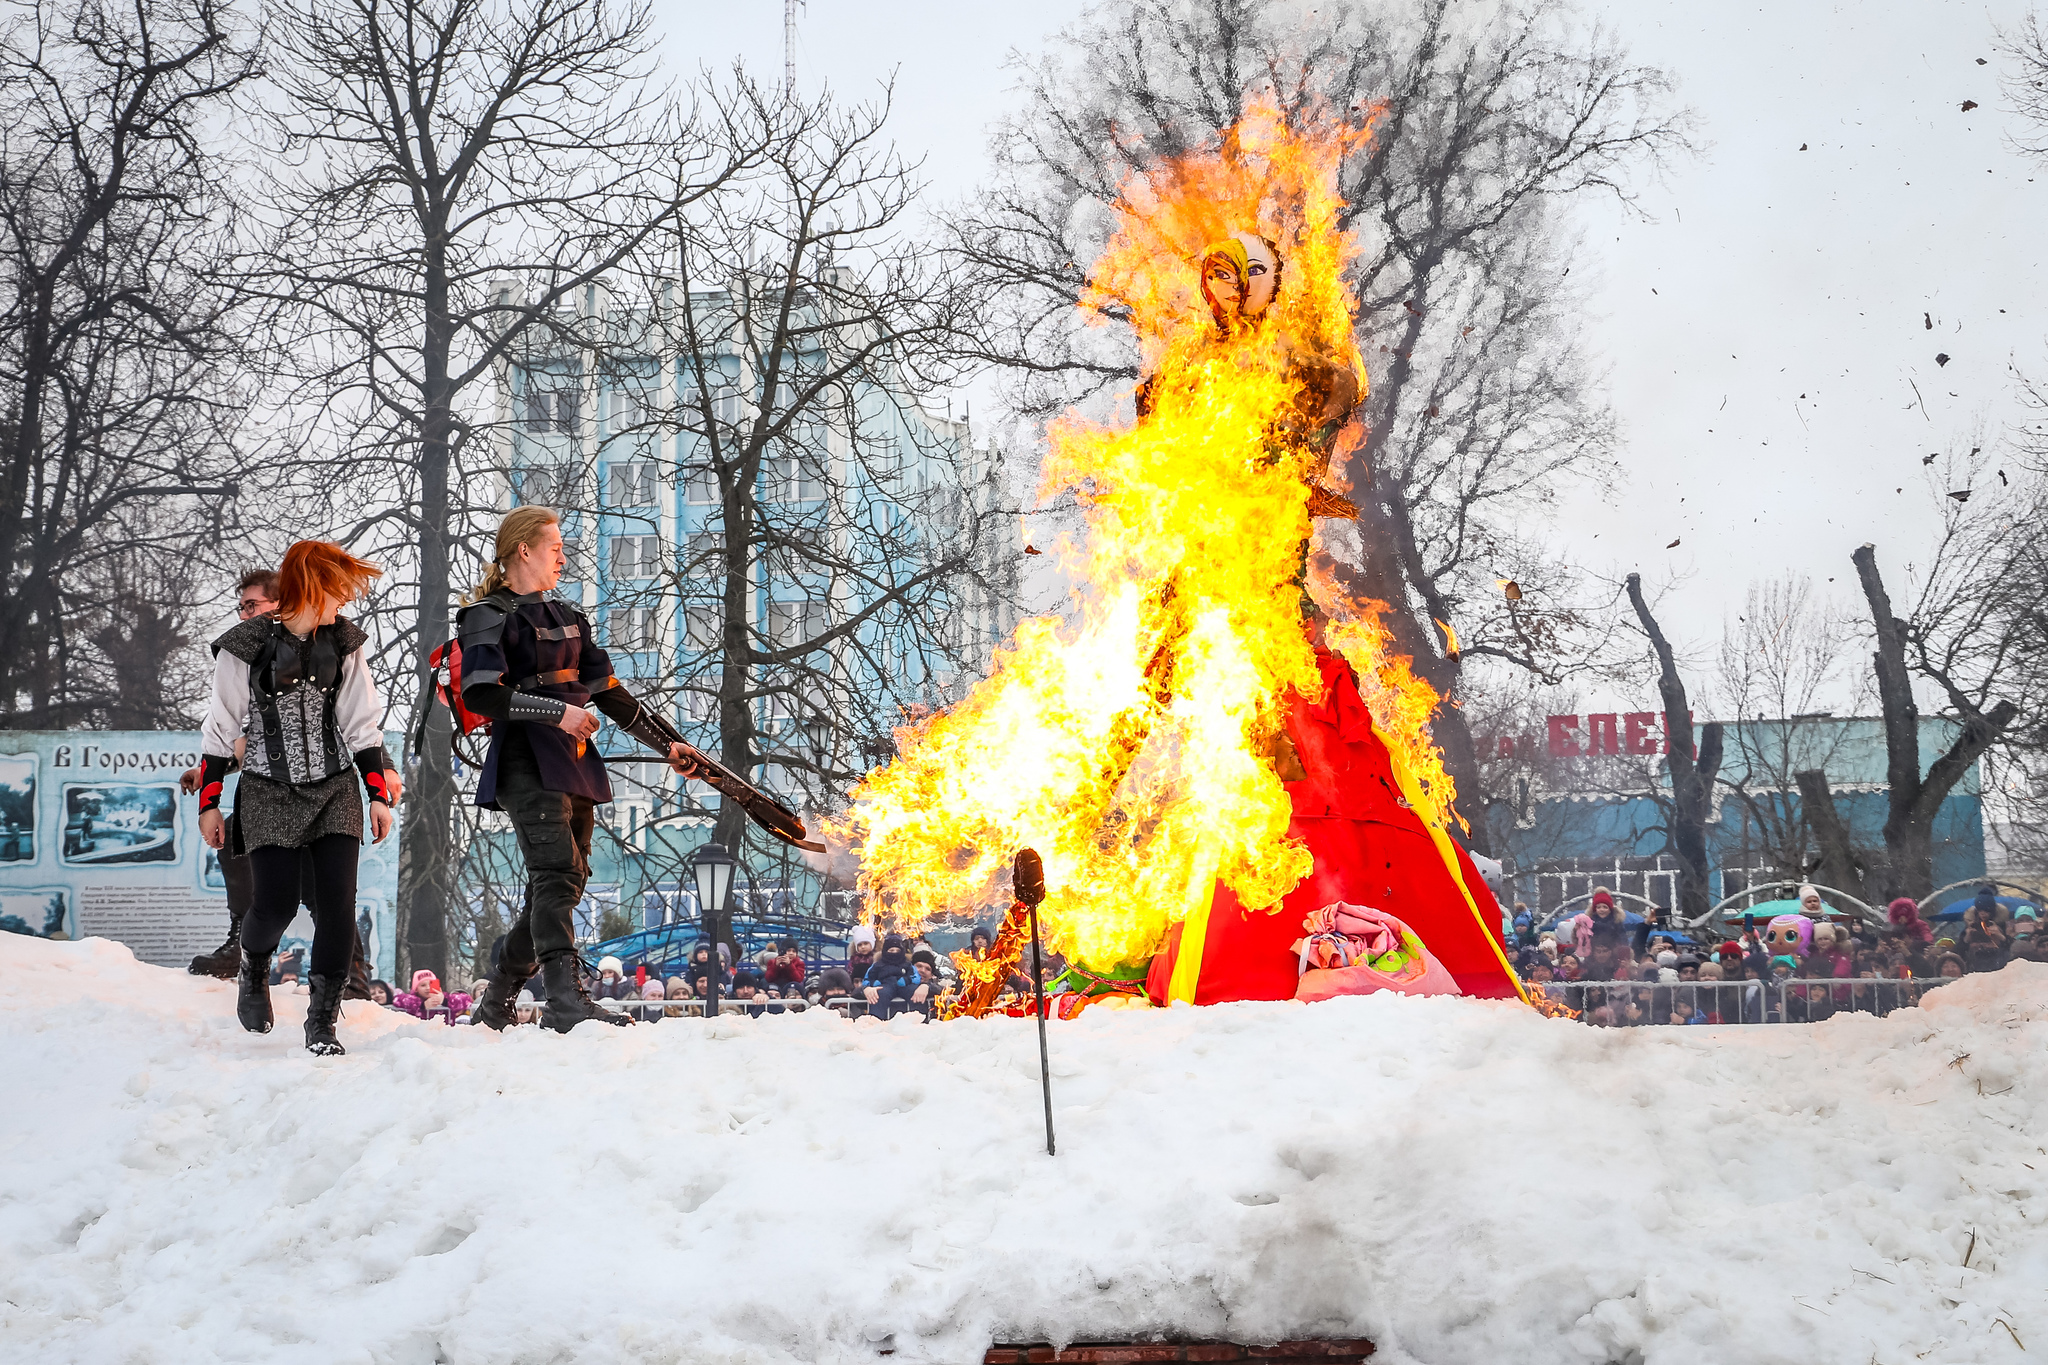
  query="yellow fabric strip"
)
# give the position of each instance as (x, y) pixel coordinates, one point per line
(1444, 850)
(1194, 933)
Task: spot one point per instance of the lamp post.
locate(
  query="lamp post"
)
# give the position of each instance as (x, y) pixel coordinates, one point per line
(712, 868)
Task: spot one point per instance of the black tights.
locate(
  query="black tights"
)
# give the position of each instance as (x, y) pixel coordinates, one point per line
(333, 901)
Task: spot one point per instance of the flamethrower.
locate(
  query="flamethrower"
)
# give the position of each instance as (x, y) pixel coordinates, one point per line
(656, 733)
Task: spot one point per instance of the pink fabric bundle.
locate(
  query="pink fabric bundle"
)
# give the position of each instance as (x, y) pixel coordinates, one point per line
(1356, 950)
(1339, 935)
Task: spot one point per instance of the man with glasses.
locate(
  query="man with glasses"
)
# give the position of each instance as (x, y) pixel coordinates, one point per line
(256, 595)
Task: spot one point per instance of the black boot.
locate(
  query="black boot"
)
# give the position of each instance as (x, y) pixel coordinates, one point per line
(321, 1012)
(252, 993)
(358, 984)
(223, 961)
(497, 1005)
(568, 1003)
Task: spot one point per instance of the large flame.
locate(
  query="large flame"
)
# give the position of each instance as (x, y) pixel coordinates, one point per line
(1133, 748)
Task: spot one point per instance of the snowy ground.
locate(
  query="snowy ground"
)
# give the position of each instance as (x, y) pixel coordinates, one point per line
(1462, 1182)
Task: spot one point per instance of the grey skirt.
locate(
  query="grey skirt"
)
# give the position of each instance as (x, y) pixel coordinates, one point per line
(278, 814)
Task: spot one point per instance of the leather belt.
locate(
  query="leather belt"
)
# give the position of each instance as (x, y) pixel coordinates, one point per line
(560, 675)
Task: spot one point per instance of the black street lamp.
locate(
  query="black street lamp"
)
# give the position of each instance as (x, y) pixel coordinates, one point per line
(712, 868)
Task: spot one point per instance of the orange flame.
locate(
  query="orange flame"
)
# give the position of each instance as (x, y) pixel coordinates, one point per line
(1132, 748)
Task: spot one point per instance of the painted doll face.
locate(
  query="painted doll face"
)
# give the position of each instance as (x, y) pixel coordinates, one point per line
(1240, 279)
(1787, 934)
(1262, 275)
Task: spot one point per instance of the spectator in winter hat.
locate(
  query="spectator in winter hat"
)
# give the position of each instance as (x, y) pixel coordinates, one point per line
(611, 981)
(1986, 903)
(891, 984)
(1810, 902)
(526, 1009)
(860, 955)
(784, 967)
(978, 943)
(1600, 963)
(424, 997)
(1602, 922)
(1951, 965)
(1984, 943)
(1568, 968)
(703, 973)
(1904, 915)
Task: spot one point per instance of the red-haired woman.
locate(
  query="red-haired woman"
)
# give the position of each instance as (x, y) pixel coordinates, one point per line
(297, 688)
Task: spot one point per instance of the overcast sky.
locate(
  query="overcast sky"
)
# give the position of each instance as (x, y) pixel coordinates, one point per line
(1766, 332)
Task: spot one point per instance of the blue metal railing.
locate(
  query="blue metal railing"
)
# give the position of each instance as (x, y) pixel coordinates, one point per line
(669, 945)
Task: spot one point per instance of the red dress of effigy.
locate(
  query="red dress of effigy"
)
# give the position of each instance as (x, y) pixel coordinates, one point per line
(1370, 848)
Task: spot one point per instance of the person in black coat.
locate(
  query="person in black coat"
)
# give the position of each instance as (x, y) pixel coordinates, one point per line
(530, 665)
(891, 985)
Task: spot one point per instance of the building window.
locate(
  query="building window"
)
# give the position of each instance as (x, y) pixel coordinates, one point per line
(636, 556)
(631, 483)
(631, 629)
(542, 486)
(626, 410)
(706, 554)
(703, 625)
(795, 623)
(700, 485)
(804, 476)
(550, 410)
(700, 701)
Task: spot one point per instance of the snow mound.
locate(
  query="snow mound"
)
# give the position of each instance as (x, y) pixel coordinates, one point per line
(1459, 1181)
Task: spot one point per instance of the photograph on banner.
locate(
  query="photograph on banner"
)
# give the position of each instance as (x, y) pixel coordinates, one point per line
(17, 808)
(119, 823)
(44, 912)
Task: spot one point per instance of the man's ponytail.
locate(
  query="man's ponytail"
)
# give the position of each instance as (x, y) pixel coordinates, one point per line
(521, 526)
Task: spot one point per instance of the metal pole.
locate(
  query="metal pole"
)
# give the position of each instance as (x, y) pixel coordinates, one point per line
(1044, 1065)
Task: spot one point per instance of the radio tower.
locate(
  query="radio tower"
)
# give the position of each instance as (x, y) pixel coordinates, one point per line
(789, 8)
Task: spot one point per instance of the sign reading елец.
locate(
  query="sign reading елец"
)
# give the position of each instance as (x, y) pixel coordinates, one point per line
(1603, 732)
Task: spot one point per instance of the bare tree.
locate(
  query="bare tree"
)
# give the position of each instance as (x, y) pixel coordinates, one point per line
(1973, 631)
(1690, 770)
(1482, 403)
(118, 400)
(458, 173)
(828, 553)
(1782, 673)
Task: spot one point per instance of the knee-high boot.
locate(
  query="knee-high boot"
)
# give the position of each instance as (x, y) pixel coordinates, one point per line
(321, 1012)
(252, 993)
(223, 961)
(497, 1006)
(568, 1003)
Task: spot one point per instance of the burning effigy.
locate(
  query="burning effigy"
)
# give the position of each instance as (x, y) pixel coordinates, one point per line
(1217, 748)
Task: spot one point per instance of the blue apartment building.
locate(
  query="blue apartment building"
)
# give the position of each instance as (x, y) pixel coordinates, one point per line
(622, 453)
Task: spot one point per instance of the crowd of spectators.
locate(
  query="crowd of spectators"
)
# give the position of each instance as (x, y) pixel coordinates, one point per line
(886, 977)
(1618, 970)
(1611, 968)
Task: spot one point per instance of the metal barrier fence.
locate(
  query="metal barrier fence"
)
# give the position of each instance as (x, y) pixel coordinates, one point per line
(693, 1008)
(1797, 1000)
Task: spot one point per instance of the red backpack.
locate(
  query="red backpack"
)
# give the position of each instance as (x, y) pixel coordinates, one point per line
(444, 666)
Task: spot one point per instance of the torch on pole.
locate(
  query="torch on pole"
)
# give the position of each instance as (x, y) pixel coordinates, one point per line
(1027, 881)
